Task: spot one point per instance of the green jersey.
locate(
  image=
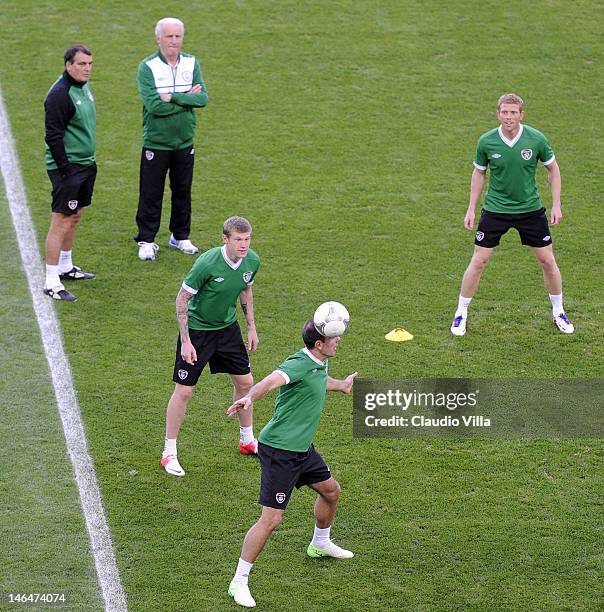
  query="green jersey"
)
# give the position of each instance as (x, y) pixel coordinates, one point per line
(299, 404)
(513, 164)
(169, 126)
(216, 283)
(70, 122)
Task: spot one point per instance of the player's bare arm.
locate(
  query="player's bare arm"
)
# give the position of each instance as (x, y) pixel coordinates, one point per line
(555, 182)
(187, 350)
(344, 385)
(246, 299)
(476, 187)
(258, 391)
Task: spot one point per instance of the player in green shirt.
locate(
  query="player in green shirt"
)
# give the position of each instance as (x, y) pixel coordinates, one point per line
(512, 152)
(172, 88)
(206, 310)
(287, 455)
(70, 136)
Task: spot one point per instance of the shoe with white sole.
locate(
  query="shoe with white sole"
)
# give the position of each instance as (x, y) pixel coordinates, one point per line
(186, 246)
(240, 592)
(60, 293)
(76, 274)
(563, 324)
(458, 325)
(147, 250)
(171, 465)
(331, 550)
(251, 448)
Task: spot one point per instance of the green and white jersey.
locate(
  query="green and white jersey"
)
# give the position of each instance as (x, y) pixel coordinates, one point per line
(169, 126)
(513, 164)
(299, 404)
(216, 283)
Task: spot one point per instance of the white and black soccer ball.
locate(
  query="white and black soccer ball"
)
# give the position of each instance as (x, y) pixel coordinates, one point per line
(331, 319)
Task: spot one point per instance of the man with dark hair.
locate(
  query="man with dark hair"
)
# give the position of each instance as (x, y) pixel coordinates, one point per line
(70, 136)
(206, 310)
(171, 87)
(511, 152)
(287, 455)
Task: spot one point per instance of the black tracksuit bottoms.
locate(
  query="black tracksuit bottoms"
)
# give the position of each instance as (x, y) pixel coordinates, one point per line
(155, 165)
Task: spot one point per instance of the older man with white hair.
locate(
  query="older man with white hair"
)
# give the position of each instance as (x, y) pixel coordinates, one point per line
(171, 86)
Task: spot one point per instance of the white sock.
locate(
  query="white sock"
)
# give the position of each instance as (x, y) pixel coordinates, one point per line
(321, 537)
(462, 306)
(246, 434)
(65, 263)
(243, 571)
(556, 301)
(169, 447)
(52, 276)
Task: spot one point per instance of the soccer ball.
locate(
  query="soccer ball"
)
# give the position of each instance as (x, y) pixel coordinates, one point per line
(331, 319)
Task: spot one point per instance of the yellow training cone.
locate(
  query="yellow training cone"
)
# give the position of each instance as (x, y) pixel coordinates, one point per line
(398, 334)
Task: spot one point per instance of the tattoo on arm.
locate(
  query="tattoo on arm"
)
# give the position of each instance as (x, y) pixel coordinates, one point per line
(246, 300)
(182, 313)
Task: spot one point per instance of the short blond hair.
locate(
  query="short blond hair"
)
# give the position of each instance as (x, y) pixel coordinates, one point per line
(510, 98)
(236, 224)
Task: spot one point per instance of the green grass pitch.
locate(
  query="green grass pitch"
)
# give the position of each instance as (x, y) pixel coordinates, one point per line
(345, 132)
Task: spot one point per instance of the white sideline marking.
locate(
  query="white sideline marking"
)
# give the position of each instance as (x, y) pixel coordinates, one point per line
(75, 436)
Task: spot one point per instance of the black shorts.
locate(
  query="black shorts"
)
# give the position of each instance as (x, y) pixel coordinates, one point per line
(223, 348)
(74, 191)
(282, 470)
(532, 227)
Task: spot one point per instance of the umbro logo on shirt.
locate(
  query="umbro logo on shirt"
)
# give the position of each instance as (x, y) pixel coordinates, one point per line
(79, 102)
(495, 156)
(219, 279)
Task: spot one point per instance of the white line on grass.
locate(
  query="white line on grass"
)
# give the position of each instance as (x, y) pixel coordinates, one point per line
(75, 436)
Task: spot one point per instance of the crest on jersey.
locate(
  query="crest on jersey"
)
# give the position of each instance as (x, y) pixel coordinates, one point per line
(479, 236)
(187, 76)
(247, 276)
(280, 497)
(182, 374)
(526, 154)
(73, 204)
(149, 155)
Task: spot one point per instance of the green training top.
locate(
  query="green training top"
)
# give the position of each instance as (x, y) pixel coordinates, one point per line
(299, 404)
(513, 164)
(216, 283)
(169, 126)
(70, 124)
